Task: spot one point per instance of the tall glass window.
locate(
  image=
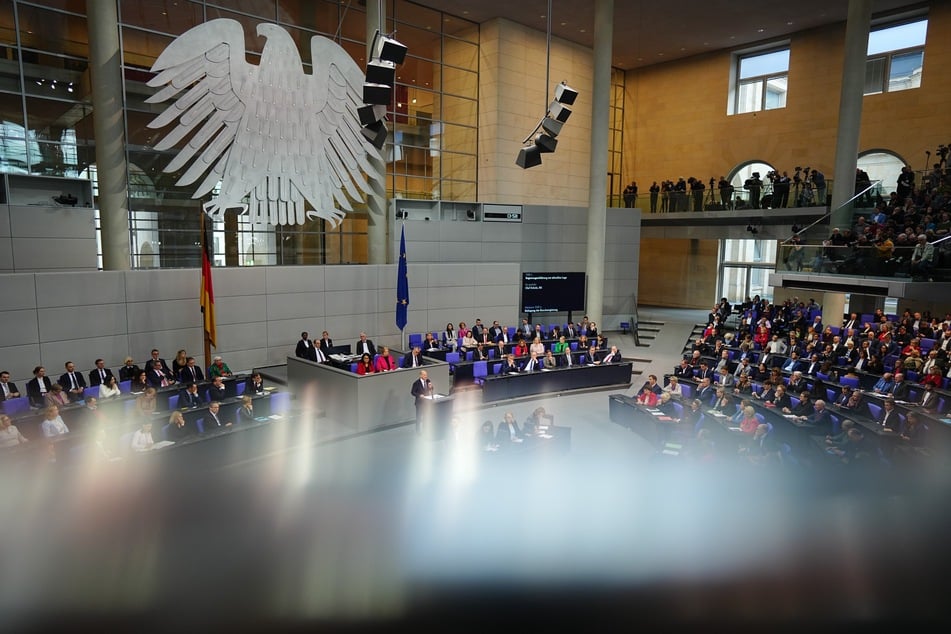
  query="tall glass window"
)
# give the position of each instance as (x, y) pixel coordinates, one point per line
(745, 266)
(761, 81)
(896, 56)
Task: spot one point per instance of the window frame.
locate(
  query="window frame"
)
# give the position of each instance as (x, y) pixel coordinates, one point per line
(889, 56)
(763, 80)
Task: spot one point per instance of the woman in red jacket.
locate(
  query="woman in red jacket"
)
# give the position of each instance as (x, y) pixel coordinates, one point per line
(365, 364)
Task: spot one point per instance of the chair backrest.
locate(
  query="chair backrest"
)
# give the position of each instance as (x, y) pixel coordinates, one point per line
(942, 404)
(491, 353)
(452, 357)
(165, 429)
(353, 367)
(794, 400)
(850, 381)
(867, 318)
(835, 329)
(574, 346)
(927, 345)
(415, 339)
(911, 375)
(470, 355)
(511, 331)
(91, 392)
(125, 386)
(480, 369)
(822, 376)
(496, 367)
(14, 406)
(200, 425)
(686, 390)
(239, 387)
(875, 410)
(173, 402)
(679, 409)
(831, 394)
(836, 423)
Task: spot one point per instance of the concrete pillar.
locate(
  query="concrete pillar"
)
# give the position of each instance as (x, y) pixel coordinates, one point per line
(833, 308)
(106, 74)
(850, 109)
(598, 188)
(376, 201)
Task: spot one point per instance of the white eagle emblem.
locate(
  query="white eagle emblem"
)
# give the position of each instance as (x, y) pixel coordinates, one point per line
(271, 131)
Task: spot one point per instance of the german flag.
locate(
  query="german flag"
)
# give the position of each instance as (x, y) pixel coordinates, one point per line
(207, 296)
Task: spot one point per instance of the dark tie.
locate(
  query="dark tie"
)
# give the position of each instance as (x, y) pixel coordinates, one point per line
(102, 376)
(72, 378)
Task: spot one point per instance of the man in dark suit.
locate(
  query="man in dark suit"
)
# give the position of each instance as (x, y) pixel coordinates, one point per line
(100, 374)
(888, 419)
(254, 384)
(566, 360)
(156, 376)
(189, 397)
(73, 382)
(684, 370)
(814, 365)
(478, 330)
(533, 364)
(820, 418)
(214, 421)
(191, 373)
(526, 328)
(706, 392)
(792, 364)
(326, 343)
(413, 359)
(217, 390)
(571, 331)
(612, 357)
(422, 388)
(38, 387)
(7, 389)
(365, 346)
(705, 372)
(169, 375)
(509, 366)
(901, 389)
(508, 431)
(305, 348)
(495, 331)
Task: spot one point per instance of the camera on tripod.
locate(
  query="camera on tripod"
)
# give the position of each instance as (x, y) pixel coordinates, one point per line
(943, 152)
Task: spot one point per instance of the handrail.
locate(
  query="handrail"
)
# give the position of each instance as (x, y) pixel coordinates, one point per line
(842, 206)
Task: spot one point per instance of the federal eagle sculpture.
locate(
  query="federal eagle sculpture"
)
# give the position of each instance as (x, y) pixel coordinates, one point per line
(270, 131)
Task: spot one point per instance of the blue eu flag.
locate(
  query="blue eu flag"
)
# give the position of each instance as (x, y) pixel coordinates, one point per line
(402, 284)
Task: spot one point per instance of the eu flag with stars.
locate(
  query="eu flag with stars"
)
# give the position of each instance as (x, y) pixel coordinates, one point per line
(402, 284)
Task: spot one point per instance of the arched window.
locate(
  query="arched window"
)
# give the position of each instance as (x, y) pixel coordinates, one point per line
(881, 165)
(740, 174)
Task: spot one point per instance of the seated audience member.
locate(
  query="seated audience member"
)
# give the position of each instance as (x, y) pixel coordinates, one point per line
(646, 396)
(549, 362)
(189, 397)
(765, 392)
(884, 385)
(503, 335)
(706, 392)
(157, 376)
(246, 411)
(325, 344)
(414, 359)
(305, 348)
(743, 387)
(99, 374)
(744, 368)
(684, 370)
(600, 343)
(109, 388)
(462, 329)
(567, 360)
(819, 418)
(592, 329)
(142, 438)
(533, 364)
(761, 449)
(8, 390)
(254, 384)
(430, 343)
(10, 436)
(805, 407)
(583, 342)
(560, 346)
(176, 430)
(365, 345)
(839, 440)
(487, 437)
(666, 405)
(508, 431)
(509, 366)
(181, 358)
(537, 347)
(191, 373)
(72, 382)
(855, 450)
(469, 342)
(521, 348)
(385, 361)
(155, 356)
(653, 385)
(929, 399)
(797, 383)
(145, 404)
(674, 388)
(139, 383)
(57, 396)
(480, 353)
(555, 332)
(217, 390)
(725, 379)
(129, 370)
(53, 425)
(592, 357)
(365, 365)
(749, 423)
(780, 400)
(448, 338)
(725, 403)
(889, 419)
(913, 431)
(218, 368)
(214, 420)
(538, 422)
(613, 356)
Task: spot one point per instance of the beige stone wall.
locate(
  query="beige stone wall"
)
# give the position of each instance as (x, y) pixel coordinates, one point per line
(677, 273)
(676, 122)
(513, 98)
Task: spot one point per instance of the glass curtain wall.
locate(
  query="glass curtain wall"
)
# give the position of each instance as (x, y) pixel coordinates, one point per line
(46, 127)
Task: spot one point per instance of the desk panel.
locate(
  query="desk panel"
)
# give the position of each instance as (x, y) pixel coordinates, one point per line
(502, 387)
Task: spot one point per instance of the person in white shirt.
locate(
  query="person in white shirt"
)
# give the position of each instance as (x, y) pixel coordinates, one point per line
(674, 388)
(109, 389)
(142, 438)
(10, 436)
(537, 346)
(53, 425)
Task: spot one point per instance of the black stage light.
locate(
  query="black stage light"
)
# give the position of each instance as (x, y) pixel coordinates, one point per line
(381, 72)
(389, 50)
(545, 143)
(564, 94)
(552, 126)
(558, 112)
(377, 94)
(375, 133)
(371, 114)
(529, 156)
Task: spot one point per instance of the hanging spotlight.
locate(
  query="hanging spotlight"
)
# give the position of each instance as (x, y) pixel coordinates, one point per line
(551, 124)
(380, 78)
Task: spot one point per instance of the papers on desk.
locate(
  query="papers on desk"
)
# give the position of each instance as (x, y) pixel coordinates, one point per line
(162, 443)
(434, 397)
(731, 428)
(269, 389)
(261, 419)
(275, 417)
(670, 452)
(545, 436)
(344, 358)
(790, 416)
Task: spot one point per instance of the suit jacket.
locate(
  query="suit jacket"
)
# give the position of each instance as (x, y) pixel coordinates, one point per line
(95, 378)
(901, 391)
(358, 348)
(326, 345)
(245, 415)
(155, 377)
(532, 366)
(382, 364)
(705, 374)
(791, 366)
(33, 390)
(64, 380)
(306, 350)
(509, 369)
(707, 394)
(187, 399)
(10, 386)
(821, 419)
(889, 420)
(212, 422)
(566, 360)
(503, 434)
(609, 358)
(129, 374)
(494, 333)
(216, 394)
(251, 388)
(408, 361)
(191, 375)
(477, 332)
(570, 332)
(168, 373)
(419, 390)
